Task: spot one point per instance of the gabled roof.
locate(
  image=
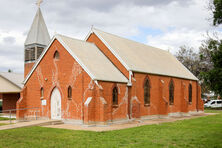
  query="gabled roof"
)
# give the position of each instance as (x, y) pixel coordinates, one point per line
(139, 57)
(14, 78)
(38, 33)
(92, 60)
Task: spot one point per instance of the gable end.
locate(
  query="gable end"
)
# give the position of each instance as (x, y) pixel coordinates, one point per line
(56, 37)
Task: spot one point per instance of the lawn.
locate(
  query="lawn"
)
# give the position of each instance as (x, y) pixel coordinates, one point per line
(205, 132)
(1, 124)
(4, 118)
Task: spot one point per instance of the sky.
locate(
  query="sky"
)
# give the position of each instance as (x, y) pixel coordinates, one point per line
(166, 24)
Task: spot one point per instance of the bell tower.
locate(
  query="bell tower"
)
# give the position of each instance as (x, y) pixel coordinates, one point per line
(37, 39)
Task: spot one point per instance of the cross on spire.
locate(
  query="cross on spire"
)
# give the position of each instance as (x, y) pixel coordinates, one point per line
(38, 3)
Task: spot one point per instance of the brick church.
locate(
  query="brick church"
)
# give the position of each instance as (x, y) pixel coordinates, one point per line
(103, 79)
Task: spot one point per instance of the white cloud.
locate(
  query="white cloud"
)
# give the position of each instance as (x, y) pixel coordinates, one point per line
(181, 22)
(13, 63)
(174, 39)
(17, 36)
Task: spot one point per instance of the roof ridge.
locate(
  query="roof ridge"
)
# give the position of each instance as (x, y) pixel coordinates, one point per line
(130, 40)
(39, 12)
(144, 60)
(75, 39)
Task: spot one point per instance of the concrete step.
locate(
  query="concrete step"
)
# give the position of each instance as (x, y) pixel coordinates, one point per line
(51, 122)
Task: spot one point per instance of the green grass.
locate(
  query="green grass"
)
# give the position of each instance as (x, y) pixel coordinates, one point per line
(203, 132)
(4, 118)
(208, 110)
(1, 124)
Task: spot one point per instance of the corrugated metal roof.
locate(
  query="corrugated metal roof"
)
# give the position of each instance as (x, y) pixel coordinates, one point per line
(143, 58)
(38, 33)
(14, 78)
(94, 60)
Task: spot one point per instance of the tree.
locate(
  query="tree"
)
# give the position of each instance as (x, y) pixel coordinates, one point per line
(208, 66)
(189, 59)
(196, 62)
(213, 77)
(216, 8)
(9, 70)
(205, 64)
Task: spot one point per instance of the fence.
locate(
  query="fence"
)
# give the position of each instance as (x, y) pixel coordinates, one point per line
(35, 109)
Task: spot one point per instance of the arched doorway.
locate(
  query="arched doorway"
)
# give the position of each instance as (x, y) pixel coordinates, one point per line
(55, 104)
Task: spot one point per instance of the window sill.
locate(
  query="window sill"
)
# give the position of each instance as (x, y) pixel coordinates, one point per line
(69, 98)
(41, 98)
(146, 105)
(115, 106)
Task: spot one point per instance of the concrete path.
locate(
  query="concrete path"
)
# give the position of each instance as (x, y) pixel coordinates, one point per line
(7, 121)
(126, 125)
(57, 124)
(27, 124)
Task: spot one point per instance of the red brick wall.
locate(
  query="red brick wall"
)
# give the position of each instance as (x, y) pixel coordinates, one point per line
(65, 72)
(159, 90)
(159, 98)
(159, 94)
(0, 98)
(101, 108)
(200, 102)
(9, 101)
(61, 73)
(27, 68)
(114, 112)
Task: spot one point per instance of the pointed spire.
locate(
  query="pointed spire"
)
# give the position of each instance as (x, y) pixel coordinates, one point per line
(38, 33)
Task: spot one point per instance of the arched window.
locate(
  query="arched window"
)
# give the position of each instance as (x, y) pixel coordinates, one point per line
(115, 96)
(190, 93)
(56, 55)
(69, 92)
(41, 92)
(171, 92)
(147, 92)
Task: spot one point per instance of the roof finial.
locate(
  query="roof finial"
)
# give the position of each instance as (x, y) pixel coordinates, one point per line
(55, 33)
(38, 3)
(92, 27)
